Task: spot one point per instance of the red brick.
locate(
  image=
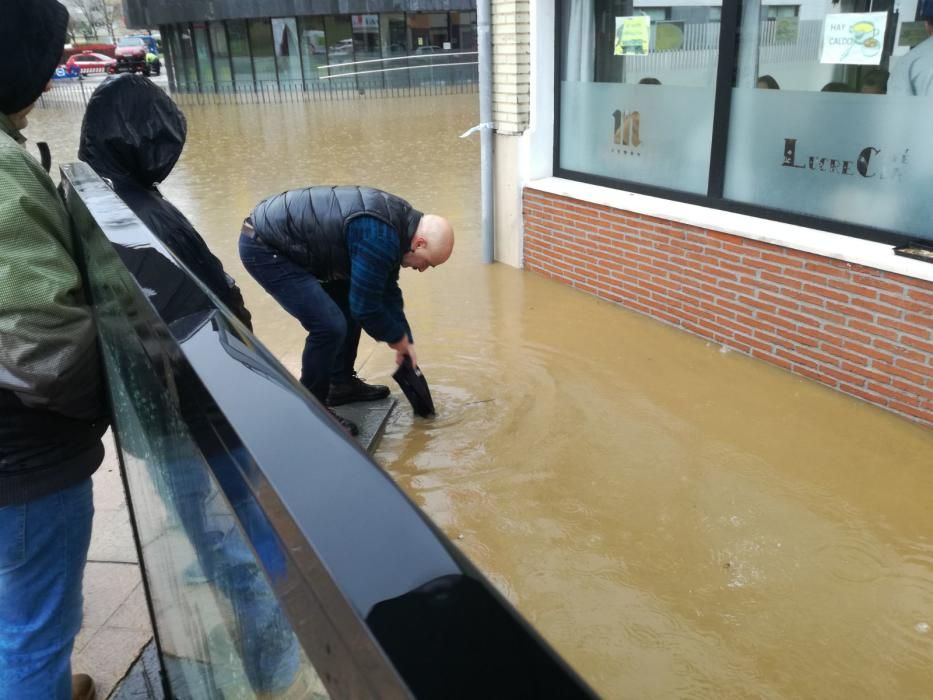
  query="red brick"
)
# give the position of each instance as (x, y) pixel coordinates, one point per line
(918, 331)
(752, 343)
(848, 333)
(885, 309)
(847, 377)
(923, 393)
(811, 299)
(762, 265)
(897, 350)
(923, 414)
(849, 311)
(805, 277)
(756, 304)
(829, 316)
(821, 268)
(873, 329)
(877, 283)
(776, 321)
(918, 344)
(925, 297)
(781, 280)
(904, 303)
(863, 371)
(836, 351)
(782, 259)
(862, 394)
(922, 319)
(912, 366)
(815, 376)
(900, 372)
(820, 357)
(826, 293)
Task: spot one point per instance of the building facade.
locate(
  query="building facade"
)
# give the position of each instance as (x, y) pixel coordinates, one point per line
(245, 45)
(743, 170)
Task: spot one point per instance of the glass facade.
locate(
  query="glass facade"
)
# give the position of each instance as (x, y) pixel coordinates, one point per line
(825, 116)
(346, 52)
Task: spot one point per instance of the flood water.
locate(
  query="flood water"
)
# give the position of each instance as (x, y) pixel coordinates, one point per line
(677, 520)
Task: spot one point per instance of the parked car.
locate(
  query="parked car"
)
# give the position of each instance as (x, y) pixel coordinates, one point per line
(87, 62)
(131, 55)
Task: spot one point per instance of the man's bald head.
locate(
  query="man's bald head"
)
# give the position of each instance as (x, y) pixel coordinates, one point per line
(431, 245)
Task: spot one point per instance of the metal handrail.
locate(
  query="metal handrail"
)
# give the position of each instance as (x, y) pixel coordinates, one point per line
(399, 58)
(390, 70)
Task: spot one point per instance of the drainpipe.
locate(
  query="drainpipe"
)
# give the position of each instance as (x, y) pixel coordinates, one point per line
(483, 21)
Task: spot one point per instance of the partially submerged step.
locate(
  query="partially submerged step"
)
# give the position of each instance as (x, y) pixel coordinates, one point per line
(371, 418)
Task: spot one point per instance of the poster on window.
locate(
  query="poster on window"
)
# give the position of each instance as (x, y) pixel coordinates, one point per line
(633, 35)
(854, 38)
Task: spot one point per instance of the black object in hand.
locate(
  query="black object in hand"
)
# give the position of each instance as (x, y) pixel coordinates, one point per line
(415, 386)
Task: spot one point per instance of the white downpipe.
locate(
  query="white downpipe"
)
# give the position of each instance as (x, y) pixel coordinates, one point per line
(484, 28)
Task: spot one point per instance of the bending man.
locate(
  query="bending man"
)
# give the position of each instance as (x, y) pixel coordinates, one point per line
(331, 257)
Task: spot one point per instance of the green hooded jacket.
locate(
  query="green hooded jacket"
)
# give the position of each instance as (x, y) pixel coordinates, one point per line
(50, 384)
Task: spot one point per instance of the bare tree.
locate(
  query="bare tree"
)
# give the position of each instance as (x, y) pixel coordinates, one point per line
(96, 13)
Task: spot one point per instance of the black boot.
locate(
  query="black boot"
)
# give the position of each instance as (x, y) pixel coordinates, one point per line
(355, 390)
(348, 425)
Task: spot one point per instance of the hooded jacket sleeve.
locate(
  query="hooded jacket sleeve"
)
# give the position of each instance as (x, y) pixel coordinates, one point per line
(48, 346)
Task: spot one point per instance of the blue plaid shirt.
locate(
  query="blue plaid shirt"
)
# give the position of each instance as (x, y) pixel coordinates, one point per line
(375, 297)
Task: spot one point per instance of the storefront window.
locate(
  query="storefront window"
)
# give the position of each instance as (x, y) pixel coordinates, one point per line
(260, 41)
(287, 56)
(239, 51)
(428, 39)
(339, 51)
(367, 49)
(221, 50)
(638, 91)
(313, 47)
(831, 114)
(393, 37)
(463, 31)
(202, 49)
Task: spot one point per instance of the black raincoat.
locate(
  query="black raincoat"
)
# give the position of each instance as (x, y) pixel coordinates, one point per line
(133, 134)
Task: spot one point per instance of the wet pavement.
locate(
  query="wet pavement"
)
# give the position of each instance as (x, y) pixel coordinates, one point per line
(676, 520)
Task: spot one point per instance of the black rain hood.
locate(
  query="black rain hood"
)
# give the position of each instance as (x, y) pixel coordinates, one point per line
(133, 134)
(32, 39)
(132, 130)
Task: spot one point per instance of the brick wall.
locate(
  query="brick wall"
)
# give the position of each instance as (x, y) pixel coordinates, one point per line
(511, 65)
(865, 332)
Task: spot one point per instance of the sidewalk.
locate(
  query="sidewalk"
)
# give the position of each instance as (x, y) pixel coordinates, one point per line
(116, 622)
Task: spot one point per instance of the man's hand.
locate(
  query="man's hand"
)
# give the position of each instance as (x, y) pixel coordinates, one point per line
(402, 348)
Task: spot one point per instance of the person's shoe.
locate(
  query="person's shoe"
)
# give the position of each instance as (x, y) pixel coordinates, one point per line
(355, 390)
(347, 425)
(82, 687)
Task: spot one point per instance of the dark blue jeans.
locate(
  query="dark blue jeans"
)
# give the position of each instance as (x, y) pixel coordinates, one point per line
(43, 549)
(322, 309)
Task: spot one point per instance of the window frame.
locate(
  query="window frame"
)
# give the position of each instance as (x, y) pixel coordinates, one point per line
(728, 58)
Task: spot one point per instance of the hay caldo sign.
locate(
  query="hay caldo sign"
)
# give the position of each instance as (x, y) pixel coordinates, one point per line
(854, 38)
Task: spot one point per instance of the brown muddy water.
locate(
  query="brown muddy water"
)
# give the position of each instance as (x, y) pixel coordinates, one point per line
(677, 520)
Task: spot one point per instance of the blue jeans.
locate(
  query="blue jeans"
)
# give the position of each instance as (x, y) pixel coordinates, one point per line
(322, 309)
(43, 550)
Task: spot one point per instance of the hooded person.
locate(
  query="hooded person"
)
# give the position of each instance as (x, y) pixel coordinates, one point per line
(51, 399)
(132, 135)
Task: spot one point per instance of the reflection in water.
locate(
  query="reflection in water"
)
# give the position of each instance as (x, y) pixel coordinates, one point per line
(678, 521)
